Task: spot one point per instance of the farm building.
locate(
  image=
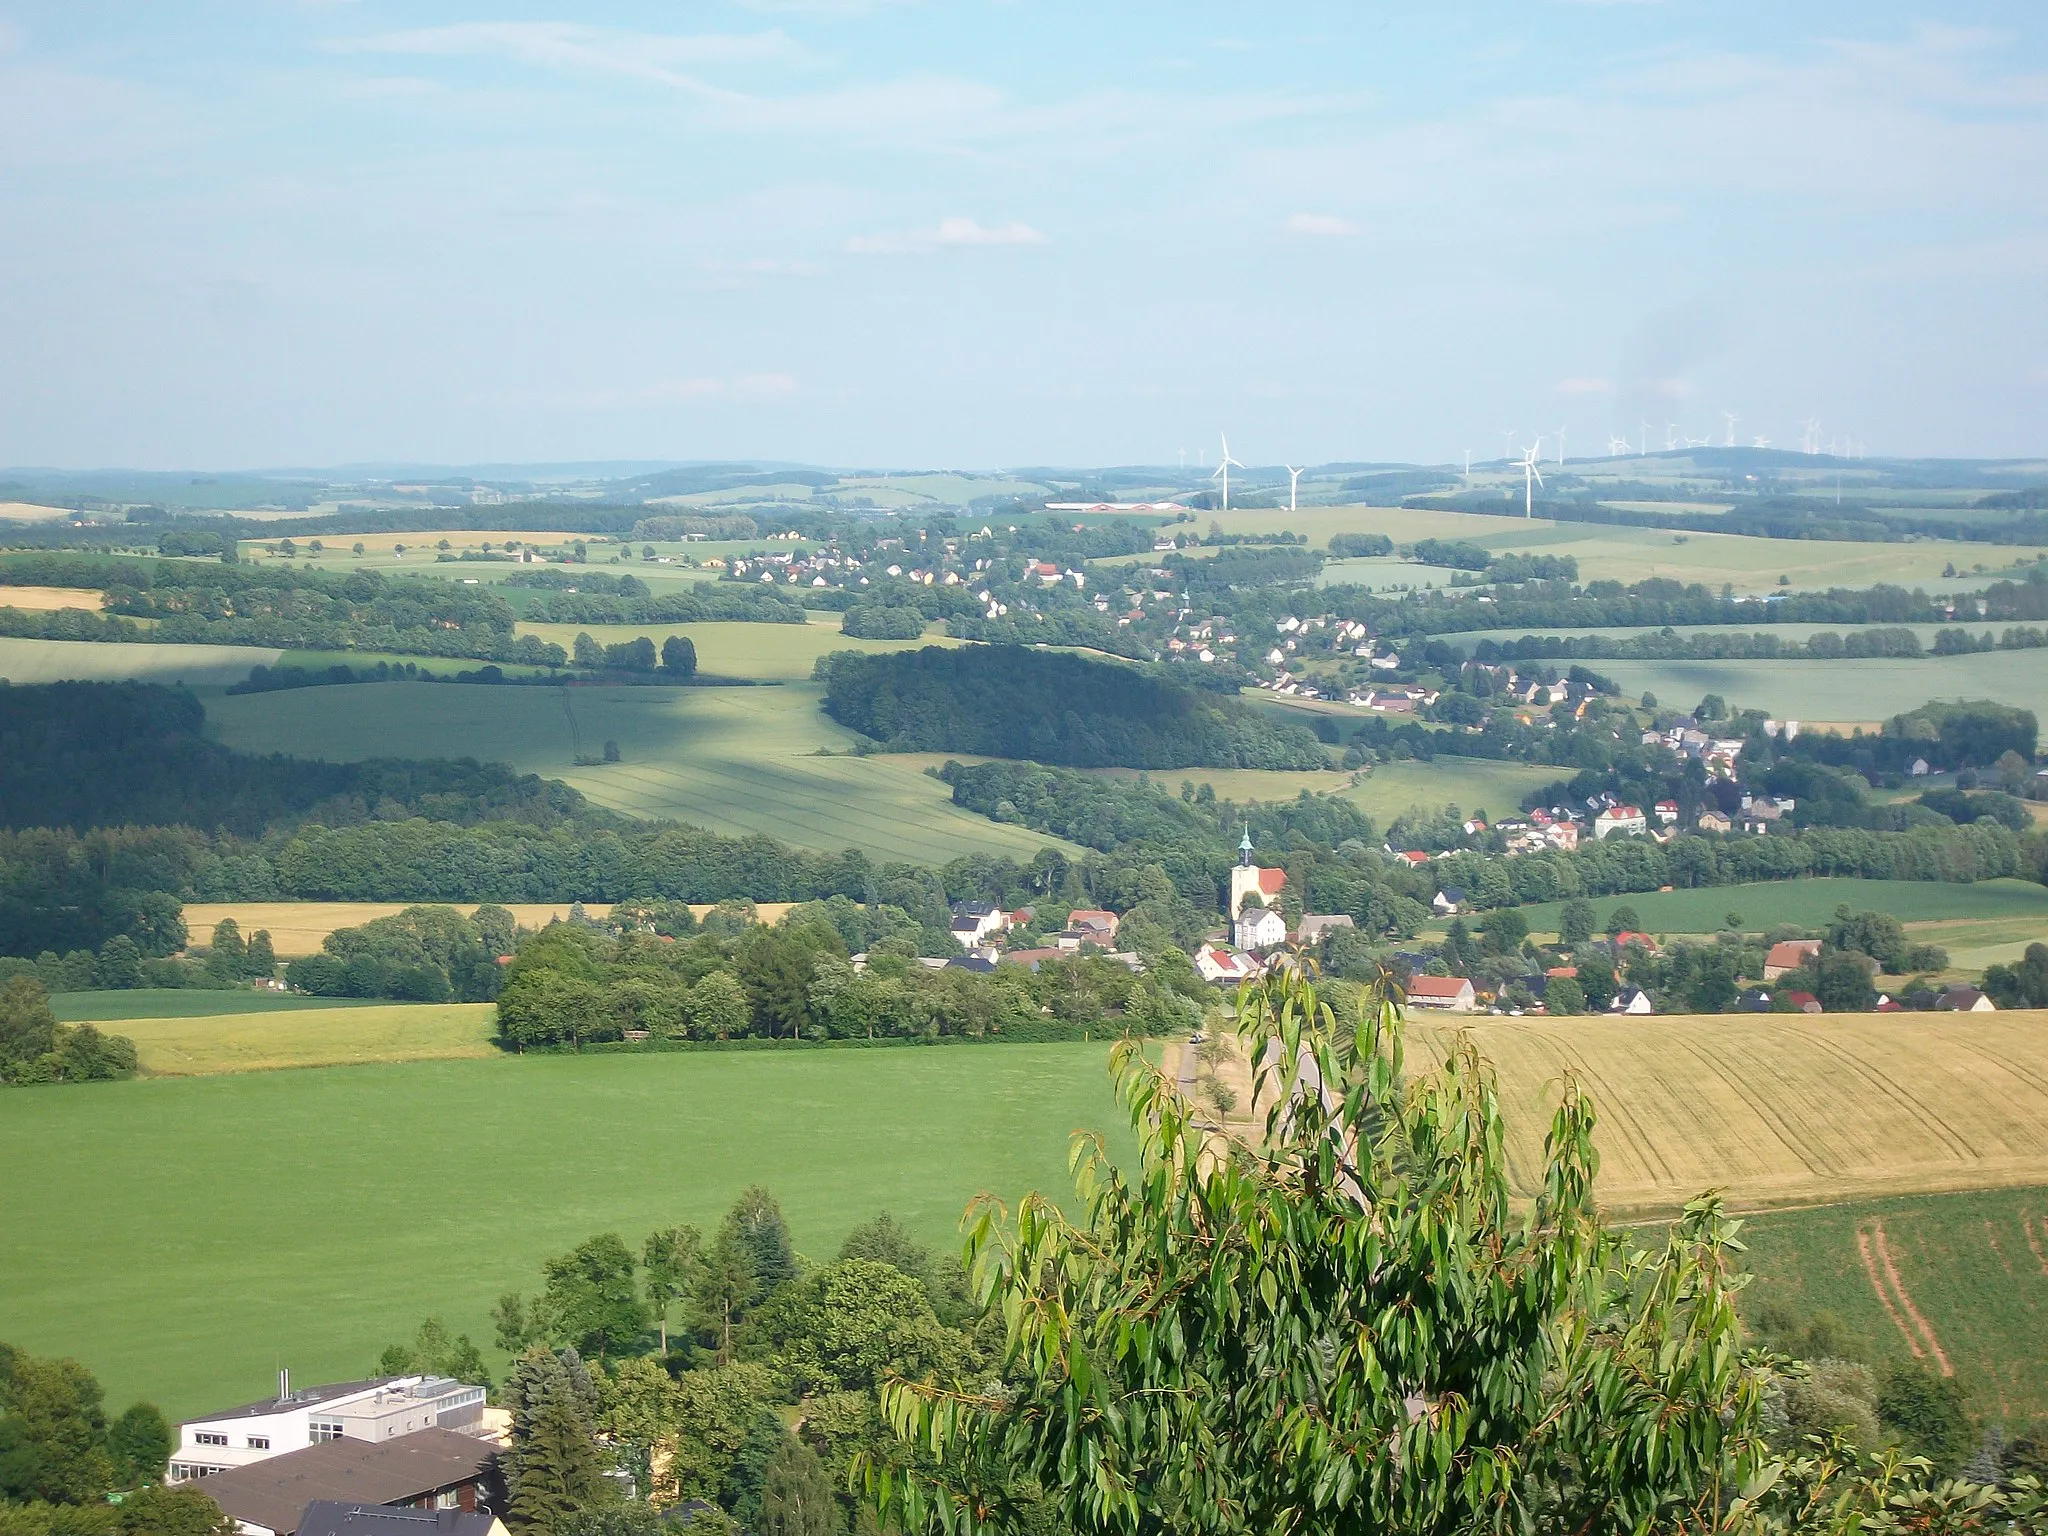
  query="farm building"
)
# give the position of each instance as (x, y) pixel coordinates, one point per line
(1789, 955)
(1965, 1000)
(1449, 994)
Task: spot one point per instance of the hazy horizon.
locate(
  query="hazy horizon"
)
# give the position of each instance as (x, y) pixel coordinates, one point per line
(881, 232)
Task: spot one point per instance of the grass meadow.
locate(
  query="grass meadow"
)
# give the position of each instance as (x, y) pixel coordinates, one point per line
(56, 661)
(1812, 903)
(1956, 1282)
(735, 760)
(308, 1218)
(1847, 690)
(181, 1003)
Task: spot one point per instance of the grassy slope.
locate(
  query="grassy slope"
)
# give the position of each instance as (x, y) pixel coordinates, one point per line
(1974, 1264)
(308, 1218)
(1812, 903)
(1840, 690)
(731, 759)
(52, 661)
(1780, 1109)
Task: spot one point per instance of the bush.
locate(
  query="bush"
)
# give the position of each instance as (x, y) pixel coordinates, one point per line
(1564, 996)
(882, 621)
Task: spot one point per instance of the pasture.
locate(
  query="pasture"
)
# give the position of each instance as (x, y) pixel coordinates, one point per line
(309, 1218)
(735, 760)
(327, 1033)
(1812, 903)
(1956, 1282)
(1864, 689)
(1777, 1109)
(299, 927)
(57, 661)
(783, 653)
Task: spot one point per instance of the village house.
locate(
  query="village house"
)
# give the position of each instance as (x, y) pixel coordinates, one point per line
(1631, 1000)
(1259, 928)
(1213, 963)
(1448, 994)
(431, 1470)
(1789, 955)
(976, 922)
(1628, 820)
(1311, 930)
(379, 1409)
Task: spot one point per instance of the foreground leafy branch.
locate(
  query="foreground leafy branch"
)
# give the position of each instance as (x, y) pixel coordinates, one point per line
(1345, 1325)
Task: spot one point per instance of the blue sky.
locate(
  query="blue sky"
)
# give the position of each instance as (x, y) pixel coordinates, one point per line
(238, 233)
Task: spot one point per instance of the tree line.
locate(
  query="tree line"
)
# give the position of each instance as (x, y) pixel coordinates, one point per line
(35, 1048)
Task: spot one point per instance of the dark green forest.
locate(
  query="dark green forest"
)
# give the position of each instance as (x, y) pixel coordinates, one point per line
(1007, 701)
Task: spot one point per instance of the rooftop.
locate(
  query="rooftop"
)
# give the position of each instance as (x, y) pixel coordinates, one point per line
(274, 1493)
(305, 1397)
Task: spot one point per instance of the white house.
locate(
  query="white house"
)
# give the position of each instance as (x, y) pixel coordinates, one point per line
(1628, 820)
(976, 922)
(1452, 994)
(1260, 928)
(1631, 1000)
(380, 1409)
(1221, 965)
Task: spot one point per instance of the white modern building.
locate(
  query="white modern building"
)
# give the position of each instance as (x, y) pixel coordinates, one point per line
(376, 1410)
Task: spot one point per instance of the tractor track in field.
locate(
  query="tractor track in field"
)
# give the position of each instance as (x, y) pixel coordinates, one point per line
(2034, 1241)
(1897, 1301)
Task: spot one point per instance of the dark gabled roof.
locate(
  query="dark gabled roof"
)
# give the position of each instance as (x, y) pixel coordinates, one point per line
(325, 1517)
(305, 1397)
(274, 1492)
(973, 908)
(980, 963)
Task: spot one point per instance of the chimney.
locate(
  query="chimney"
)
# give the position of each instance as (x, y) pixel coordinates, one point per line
(284, 1386)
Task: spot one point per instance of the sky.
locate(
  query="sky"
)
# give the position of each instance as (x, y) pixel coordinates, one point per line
(992, 233)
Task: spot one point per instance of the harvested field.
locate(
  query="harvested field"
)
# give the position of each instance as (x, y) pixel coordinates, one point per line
(1779, 1109)
(201, 1045)
(297, 927)
(50, 599)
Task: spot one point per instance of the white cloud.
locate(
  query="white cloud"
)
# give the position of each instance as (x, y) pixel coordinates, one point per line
(949, 233)
(1319, 224)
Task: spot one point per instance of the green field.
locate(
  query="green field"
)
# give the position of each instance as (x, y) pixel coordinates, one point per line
(1859, 690)
(1974, 1266)
(761, 652)
(1784, 632)
(308, 1218)
(1812, 903)
(53, 661)
(180, 1003)
(1470, 783)
(1632, 554)
(737, 760)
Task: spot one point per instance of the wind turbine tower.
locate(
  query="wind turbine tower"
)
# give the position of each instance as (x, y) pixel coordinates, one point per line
(1560, 445)
(1732, 418)
(1531, 477)
(1223, 469)
(1293, 482)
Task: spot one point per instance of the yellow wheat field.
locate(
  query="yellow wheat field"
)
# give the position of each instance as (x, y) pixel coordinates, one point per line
(49, 599)
(1777, 1109)
(298, 927)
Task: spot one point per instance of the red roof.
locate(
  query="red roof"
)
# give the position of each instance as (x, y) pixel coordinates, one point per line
(1436, 986)
(1805, 1002)
(1270, 880)
(1792, 953)
(1642, 939)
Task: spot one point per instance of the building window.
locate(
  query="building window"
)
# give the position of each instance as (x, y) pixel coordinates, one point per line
(259, 1442)
(322, 1429)
(450, 1498)
(204, 1437)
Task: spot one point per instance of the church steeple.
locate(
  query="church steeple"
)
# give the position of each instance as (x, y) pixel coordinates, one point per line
(1245, 848)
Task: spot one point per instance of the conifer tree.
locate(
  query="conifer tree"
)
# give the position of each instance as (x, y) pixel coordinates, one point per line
(552, 1469)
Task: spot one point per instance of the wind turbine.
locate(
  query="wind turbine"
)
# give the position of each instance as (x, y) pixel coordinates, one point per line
(1646, 439)
(1560, 445)
(1732, 419)
(1293, 480)
(1759, 441)
(1670, 435)
(1531, 477)
(1617, 446)
(1468, 463)
(1508, 448)
(1223, 470)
